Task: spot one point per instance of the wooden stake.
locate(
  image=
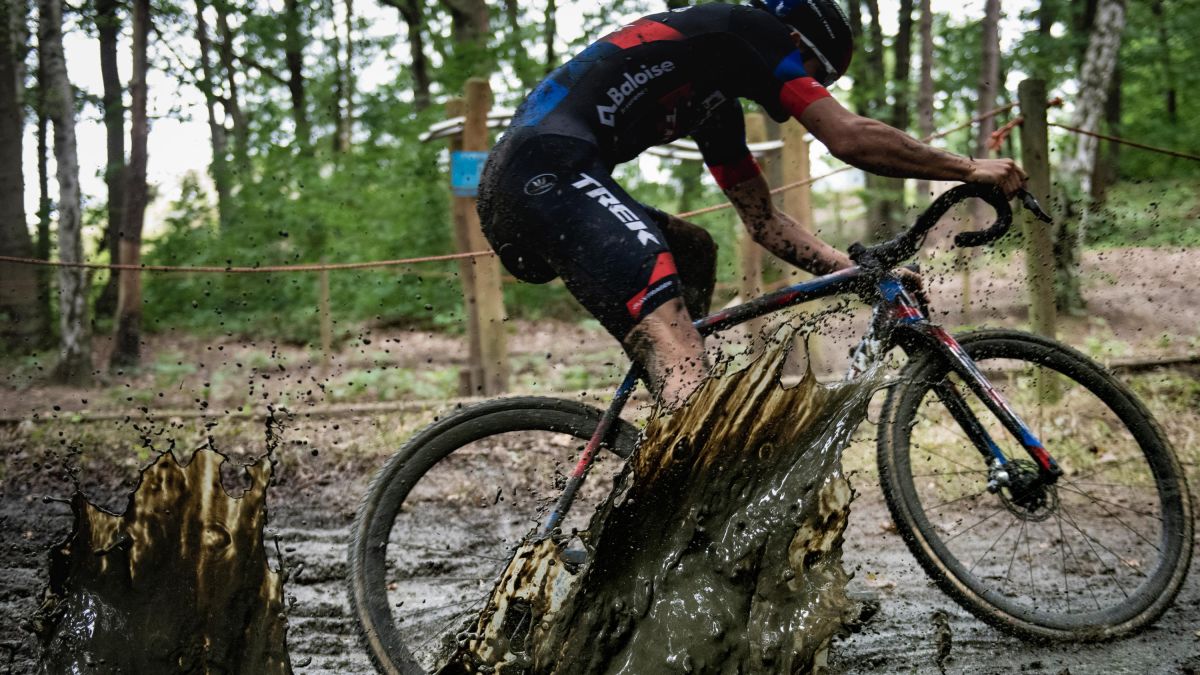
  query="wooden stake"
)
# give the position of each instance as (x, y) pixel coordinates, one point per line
(326, 313)
(1039, 248)
(489, 298)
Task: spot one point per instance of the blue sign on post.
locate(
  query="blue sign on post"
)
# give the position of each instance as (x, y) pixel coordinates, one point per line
(465, 168)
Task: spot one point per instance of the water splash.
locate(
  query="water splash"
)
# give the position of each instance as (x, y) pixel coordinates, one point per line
(720, 551)
(179, 582)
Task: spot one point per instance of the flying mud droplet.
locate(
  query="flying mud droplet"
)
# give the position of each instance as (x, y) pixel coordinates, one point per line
(718, 551)
(179, 582)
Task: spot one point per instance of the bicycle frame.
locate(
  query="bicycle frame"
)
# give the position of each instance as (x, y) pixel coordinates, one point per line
(899, 321)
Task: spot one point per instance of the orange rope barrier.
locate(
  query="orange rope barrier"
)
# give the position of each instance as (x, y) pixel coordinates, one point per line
(314, 267)
(304, 267)
(1123, 141)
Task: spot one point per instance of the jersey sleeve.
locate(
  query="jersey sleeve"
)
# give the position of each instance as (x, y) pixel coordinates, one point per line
(722, 142)
(775, 68)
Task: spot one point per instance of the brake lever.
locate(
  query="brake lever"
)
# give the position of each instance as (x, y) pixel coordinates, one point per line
(1031, 204)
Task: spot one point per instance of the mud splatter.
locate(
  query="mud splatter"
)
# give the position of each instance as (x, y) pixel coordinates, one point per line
(719, 552)
(179, 582)
(943, 639)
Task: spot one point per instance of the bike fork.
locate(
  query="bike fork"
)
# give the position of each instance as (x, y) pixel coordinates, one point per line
(978, 383)
(589, 452)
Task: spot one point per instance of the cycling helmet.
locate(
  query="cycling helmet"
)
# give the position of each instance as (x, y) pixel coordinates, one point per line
(823, 28)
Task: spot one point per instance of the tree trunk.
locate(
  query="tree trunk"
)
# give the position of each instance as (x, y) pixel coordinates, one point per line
(75, 358)
(893, 205)
(550, 31)
(989, 74)
(108, 25)
(44, 206)
(925, 89)
(293, 45)
(470, 29)
(216, 130)
(1096, 73)
(20, 315)
(339, 82)
(880, 218)
(1109, 155)
(232, 101)
(347, 130)
(1170, 94)
(127, 340)
(411, 12)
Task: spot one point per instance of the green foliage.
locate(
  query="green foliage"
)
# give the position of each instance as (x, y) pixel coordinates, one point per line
(1144, 213)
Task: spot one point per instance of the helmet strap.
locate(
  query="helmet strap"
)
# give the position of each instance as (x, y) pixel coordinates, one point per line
(831, 73)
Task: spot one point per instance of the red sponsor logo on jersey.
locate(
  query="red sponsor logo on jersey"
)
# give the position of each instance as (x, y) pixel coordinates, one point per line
(664, 266)
(643, 31)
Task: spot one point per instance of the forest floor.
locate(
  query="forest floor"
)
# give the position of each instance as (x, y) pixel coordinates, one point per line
(1141, 305)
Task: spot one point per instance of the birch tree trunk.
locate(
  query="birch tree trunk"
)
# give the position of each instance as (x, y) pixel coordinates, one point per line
(925, 89)
(108, 27)
(75, 357)
(127, 340)
(1095, 76)
(21, 317)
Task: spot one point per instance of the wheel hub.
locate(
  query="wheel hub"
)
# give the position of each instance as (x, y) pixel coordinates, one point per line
(1025, 495)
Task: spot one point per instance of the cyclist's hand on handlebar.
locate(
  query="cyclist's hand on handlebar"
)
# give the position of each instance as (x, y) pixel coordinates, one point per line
(1003, 173)
(914, 283)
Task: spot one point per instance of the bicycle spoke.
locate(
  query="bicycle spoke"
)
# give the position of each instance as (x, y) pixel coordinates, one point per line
(1086, 580)
(1089, 542)
(1016, 547)
(1117, 518)
(977, 524)
(1070, 487)
(955, 501)
(1099, 543)
(989, 548)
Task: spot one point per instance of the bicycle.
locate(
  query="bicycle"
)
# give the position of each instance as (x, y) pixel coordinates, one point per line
(1108, 514)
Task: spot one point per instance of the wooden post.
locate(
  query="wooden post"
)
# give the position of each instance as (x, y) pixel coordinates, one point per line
(1039, 249)
(470, 378)
(488, 297)
(326, 322)
(797, 203)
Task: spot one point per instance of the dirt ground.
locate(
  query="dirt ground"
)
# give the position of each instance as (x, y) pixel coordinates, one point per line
(1141, 302)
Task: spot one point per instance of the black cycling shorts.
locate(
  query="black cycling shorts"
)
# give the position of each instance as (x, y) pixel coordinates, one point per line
(550, 208)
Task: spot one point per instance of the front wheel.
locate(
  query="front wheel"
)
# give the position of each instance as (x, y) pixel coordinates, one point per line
(1099, 554)
(442, 517)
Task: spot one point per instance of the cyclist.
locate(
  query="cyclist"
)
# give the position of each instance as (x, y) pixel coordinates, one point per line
(550, 207)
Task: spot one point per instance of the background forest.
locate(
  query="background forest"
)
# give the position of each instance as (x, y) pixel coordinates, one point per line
(313, 109)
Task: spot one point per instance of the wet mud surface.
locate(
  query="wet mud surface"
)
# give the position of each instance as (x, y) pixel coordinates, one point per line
(312, 506)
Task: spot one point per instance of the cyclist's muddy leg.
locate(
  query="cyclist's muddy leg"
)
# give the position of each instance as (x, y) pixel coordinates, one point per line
(671, 351)
(695, 255)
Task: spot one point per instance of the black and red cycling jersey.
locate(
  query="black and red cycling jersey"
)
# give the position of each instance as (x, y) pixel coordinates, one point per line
(675, 74)
(547, 200)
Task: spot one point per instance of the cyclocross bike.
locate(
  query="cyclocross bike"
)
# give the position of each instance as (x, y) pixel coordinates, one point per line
(1070, 521)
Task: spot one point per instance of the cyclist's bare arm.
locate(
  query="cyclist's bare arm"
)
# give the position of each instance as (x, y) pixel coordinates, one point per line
(876, 147)
(779, 233)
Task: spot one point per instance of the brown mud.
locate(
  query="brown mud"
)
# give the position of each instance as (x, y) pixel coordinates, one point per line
(718, 552)
(178, 582)
(313, 501)
(1141, 303)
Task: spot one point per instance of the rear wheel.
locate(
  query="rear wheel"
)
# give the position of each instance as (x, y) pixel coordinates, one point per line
(1100, 554)
(442, 517)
